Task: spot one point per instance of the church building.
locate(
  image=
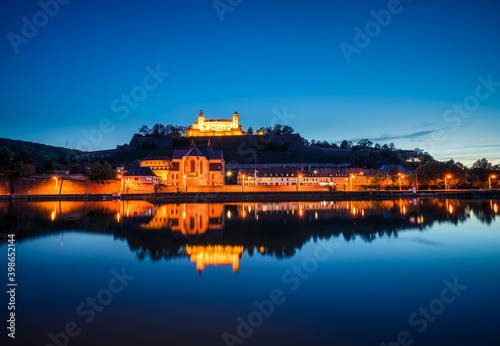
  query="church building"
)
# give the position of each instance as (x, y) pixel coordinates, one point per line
(196, 167)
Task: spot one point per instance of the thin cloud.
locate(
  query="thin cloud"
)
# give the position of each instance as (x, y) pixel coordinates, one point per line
(413, 135)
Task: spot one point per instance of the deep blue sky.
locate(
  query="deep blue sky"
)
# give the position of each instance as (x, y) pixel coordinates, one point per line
(262, 58)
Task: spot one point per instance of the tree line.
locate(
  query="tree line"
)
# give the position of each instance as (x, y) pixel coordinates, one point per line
(345, 144)
(441, 175)
(180, 131)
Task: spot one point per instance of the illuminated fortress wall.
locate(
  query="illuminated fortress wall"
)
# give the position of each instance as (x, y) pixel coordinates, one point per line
(216, 127)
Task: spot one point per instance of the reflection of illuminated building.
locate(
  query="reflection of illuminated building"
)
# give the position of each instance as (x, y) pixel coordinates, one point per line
(192, 219)
(183, 219)
(215, 255)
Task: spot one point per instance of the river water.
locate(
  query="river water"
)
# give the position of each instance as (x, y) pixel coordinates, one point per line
(395, 272)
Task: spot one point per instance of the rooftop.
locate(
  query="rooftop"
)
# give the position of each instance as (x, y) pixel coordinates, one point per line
(139, 171)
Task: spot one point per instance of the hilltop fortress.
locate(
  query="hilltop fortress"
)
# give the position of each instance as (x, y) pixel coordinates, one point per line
(215, 127)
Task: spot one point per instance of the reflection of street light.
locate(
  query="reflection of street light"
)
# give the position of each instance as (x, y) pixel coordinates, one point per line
(489, 179)
(446, 182)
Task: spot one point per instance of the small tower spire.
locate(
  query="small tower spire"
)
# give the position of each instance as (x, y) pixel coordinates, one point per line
(209, 144)
(192, 142)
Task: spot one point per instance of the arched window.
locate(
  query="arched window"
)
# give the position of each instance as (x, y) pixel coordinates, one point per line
(193, 166)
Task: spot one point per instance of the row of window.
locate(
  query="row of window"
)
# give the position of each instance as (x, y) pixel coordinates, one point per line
(147, 179)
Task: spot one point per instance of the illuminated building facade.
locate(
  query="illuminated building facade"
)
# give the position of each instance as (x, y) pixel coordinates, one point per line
(216, 127)
(315, 176)
(139, 180)
(196, 167)
(159, 165)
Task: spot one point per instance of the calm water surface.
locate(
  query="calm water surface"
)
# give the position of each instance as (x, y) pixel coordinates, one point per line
(424, 271)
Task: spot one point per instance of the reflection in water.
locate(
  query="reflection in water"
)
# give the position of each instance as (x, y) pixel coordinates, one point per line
(215, 255)
(217, 234)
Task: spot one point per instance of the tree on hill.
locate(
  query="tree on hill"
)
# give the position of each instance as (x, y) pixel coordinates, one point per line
(365, 143)
(250, 131)
(346, 144)
(161, 130)
(278, 129)
(5, 157)
(25, 157)
(101, 172)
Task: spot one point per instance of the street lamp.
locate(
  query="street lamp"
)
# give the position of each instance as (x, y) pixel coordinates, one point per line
(185, 182)
(298, 181)
(351, 176)
(399, 177)
(243, 182)
(55, 178)
(489, 179)
(445, 181)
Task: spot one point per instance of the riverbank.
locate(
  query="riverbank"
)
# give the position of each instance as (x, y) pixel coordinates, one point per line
(202, 197)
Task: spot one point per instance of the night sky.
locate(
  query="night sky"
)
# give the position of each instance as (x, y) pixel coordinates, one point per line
(427, 77)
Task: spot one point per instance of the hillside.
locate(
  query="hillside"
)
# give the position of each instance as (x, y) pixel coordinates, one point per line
(42, 152)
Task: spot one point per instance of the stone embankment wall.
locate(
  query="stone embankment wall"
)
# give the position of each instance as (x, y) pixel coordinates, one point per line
(31, 186)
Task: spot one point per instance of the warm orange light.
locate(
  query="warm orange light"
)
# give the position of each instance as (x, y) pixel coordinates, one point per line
(451, 209)
(229, 173)
(448, 176)
(493, 176)
(119, 176)
(495, 208)
(301, 212)
(184, 176)
(118, 216)
(53, 216)
(300, 176)
(215, 255)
